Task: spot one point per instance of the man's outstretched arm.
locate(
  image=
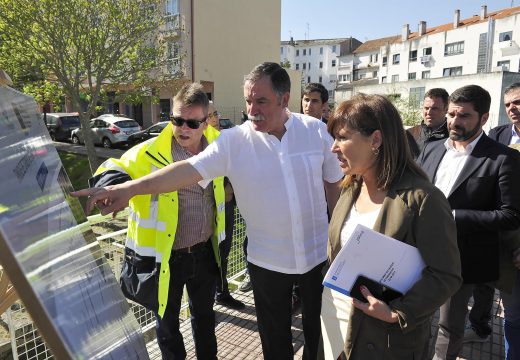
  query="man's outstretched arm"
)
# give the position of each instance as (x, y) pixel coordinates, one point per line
(112, 199)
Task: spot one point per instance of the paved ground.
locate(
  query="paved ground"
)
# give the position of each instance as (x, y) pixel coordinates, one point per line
(238, 339)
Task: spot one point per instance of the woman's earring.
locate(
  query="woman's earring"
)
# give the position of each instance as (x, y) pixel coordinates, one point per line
(375, 151)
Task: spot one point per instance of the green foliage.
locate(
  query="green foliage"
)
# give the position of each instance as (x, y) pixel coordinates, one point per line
(81, 45)
(286, 64)
(409, 111)
(44, 92)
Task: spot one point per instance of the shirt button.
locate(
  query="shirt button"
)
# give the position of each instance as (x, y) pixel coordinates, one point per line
(370, 346)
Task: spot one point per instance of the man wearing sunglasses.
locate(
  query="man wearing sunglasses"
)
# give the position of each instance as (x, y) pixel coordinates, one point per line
(177, 231)
(284, 176)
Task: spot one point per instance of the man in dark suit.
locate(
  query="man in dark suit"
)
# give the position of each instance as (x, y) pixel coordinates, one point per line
(483, 294)
(479, 178)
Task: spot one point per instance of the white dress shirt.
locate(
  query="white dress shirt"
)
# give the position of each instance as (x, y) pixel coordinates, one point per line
(279, 189)
(515, 139)
(451, 165)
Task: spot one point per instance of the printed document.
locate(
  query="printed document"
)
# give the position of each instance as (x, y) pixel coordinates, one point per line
(379, 257)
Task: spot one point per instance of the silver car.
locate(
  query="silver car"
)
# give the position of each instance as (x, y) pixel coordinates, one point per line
(108, 130)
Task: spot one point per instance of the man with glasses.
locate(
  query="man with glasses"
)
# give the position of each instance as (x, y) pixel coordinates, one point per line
(178, 231)
(213, 116)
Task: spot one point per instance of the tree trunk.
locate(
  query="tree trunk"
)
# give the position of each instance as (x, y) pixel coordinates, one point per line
(93, 159)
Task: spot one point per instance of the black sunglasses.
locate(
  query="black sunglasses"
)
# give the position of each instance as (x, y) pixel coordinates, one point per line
(192, 123)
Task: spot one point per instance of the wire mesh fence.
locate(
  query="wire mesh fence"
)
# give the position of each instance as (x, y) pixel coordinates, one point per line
(27, 343)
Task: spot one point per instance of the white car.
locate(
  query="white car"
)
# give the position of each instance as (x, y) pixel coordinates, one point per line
(108, 130)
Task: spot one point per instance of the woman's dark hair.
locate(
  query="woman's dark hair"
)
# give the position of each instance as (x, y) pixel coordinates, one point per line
(366, 114)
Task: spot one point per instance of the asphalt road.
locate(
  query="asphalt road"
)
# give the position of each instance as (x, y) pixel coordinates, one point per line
(80, 149)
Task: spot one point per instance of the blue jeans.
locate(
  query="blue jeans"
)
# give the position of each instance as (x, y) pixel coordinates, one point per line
(512, 320)
(198, 271)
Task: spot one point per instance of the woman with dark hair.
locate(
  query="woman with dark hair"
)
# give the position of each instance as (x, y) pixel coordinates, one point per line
(385, 190)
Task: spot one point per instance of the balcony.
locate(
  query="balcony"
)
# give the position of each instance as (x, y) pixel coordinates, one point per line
(508, 48)
(172, 26)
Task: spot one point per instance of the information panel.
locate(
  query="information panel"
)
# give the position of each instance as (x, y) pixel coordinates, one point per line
(49, 250)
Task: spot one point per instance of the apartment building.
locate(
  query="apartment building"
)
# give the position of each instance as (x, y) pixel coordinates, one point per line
(211, 42)
(482, 49)
(317, 60)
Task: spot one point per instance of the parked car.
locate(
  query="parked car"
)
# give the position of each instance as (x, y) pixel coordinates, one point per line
(60, 125)
(108, 130)
(146, 134)
(225, 123)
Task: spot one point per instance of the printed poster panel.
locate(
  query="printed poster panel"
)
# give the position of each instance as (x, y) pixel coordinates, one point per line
(49, 250)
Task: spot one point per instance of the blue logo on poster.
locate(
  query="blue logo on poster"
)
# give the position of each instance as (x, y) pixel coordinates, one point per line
(334, 278)
(41, 176)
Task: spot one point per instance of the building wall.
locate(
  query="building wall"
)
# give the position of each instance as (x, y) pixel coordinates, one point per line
(494, 83)
(228, 43)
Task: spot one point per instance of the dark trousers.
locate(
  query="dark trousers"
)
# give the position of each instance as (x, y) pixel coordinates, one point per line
(272, 292)
(452, 323)
(224, 248)
(480, 313)
(198, 272)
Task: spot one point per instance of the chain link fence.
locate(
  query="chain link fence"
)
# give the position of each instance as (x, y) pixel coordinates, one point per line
(27, 343)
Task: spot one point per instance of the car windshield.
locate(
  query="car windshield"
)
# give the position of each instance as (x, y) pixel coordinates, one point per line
(70, 121)
(126, 124)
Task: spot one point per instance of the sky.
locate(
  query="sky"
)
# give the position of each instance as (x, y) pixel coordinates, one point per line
(372, 19)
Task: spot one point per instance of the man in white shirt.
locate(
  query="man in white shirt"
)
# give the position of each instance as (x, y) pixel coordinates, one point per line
(283, 175)
(479, 178)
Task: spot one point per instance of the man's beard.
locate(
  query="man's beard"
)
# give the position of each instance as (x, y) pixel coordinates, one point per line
(465, 135)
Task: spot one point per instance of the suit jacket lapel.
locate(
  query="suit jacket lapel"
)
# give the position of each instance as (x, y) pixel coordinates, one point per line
(433, 163)
(474, 161)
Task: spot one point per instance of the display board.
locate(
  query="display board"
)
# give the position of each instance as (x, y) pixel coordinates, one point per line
(49, 250)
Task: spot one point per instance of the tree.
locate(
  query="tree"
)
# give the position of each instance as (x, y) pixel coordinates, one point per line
(82, 45)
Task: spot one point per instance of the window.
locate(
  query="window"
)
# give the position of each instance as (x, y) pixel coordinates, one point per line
(172, 7)
(333, 48)
(504, 65)
(505, 36)
(396, 58)
(333, 63)
(321, 64)
(452, 71)
(416, 96)
(395, 78)
(321, 50)
(385, 60)
(320, 79)
(304, 66)
(454, 48)
(412, 76)
(297, 66)
(308, 79)
(374, 74)
(427, 51)
(425, 74)
(383, 80)
(281, 50)
(413, 56)
(304, 52)
(297, 52)
(309, 52)
(376, 56)
(331, 94)
(309, 66)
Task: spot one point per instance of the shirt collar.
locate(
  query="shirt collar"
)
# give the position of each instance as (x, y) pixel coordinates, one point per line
(448, 144)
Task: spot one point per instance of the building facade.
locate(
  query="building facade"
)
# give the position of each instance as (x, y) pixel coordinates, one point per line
(483, 49)
(317, 60)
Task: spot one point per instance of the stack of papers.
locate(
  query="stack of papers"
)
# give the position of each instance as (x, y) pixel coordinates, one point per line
(390, 262)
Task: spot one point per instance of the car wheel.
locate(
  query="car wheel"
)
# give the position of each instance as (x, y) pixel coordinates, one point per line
(107, 144)
(75, 140)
